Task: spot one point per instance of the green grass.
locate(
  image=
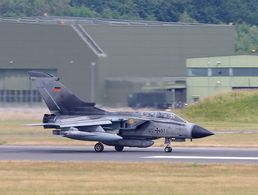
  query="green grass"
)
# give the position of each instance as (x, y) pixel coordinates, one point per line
(224, 125)
(230, 111)
(14, 132)
(126, 178)
(237, 106)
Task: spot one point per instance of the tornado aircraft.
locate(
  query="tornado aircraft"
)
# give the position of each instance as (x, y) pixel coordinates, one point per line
(74, 118)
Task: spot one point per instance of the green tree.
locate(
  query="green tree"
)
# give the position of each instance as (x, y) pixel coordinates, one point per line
(169, 11)
(246, 38)
(81, 11)
(186, 18)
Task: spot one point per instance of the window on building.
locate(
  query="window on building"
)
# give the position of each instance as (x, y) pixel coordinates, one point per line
(245, 71)
(197, 72)
(220, 71)
(195, 98)
(15, 86)
(11, 96)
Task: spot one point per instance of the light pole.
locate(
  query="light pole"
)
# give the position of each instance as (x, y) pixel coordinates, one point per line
(173, 98)
(92, 82)
(209, 74)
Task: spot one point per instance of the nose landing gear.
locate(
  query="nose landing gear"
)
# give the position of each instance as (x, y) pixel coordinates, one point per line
(168, 147)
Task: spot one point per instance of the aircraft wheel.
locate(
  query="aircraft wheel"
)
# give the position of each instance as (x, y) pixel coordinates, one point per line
(168, 149)
(99, 147)
(119, 148)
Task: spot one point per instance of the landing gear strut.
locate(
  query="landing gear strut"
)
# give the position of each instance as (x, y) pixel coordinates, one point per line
(168, 147)
(99, 147)
(119, 148)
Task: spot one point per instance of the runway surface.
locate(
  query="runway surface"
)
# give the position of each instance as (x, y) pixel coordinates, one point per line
(154, 154)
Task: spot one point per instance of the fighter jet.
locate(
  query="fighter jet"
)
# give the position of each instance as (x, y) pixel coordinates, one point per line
(76, 119)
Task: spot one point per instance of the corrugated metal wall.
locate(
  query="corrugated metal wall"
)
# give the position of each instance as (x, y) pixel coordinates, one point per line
(132, 51)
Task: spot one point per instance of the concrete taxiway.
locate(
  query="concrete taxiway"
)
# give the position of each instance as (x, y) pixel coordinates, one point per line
(154, 154)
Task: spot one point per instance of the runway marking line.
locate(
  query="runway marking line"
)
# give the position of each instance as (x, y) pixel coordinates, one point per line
(202, 157)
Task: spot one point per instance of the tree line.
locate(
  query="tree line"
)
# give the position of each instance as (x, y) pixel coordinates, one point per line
(242, 13)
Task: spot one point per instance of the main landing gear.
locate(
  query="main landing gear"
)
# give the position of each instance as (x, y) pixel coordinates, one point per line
(168, 147)
(99, 147)
(119, 148)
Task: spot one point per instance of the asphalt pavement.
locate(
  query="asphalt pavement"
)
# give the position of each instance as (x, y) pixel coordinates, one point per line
(152, 154)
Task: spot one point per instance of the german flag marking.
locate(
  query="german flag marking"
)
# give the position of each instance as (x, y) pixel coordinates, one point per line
(56, 89)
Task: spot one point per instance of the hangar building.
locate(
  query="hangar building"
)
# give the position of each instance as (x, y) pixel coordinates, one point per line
(103, 60)
(208, 76)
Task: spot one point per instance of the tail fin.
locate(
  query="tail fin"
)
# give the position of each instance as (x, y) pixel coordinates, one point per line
(59, 99)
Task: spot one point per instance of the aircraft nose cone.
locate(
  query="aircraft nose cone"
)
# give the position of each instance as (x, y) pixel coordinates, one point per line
(199, 132)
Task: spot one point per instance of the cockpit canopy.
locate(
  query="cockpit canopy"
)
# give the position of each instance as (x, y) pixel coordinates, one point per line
(163, 115)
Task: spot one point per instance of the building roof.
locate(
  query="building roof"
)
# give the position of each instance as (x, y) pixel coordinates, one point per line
(96, 21)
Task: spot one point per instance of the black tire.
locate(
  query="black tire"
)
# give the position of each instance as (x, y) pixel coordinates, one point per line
(119, 148)
(168, 149)
(99, 147)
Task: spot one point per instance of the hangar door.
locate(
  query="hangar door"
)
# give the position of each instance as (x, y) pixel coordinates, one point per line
(15, 86)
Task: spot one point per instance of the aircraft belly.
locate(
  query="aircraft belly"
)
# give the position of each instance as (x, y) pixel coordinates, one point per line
(135, 143)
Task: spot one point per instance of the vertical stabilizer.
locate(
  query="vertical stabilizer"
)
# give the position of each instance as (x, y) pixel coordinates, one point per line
(60, 99)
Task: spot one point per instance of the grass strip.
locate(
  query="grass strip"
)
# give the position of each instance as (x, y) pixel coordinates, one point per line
(27, 177)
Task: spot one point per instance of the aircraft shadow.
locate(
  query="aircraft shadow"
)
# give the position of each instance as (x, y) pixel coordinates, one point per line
(86, 151)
